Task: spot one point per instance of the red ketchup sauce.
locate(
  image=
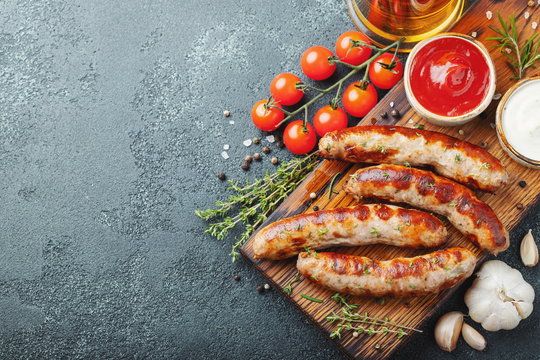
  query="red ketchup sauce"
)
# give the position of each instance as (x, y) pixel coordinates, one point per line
(449, 76)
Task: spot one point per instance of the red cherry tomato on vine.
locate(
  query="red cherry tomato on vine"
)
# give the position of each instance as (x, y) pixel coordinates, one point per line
(299, 139)
(284, 91)
(328, 119)
(349, 54)
(266, 118)
(315, 65)
(359, 102)
(385, 71)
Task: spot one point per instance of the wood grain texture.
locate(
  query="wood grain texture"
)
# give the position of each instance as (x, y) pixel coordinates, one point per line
(411, 311)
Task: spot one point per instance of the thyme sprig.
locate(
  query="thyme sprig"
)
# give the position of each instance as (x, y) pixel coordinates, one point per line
(520, 57)
(254, 201)
(350, 321)
(289, 288)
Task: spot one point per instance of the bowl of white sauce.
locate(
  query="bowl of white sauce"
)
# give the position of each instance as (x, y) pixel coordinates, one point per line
(518, 122)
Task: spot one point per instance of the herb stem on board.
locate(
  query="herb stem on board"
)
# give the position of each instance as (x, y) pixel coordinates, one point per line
(289, 288)
(332, 183)
(311, 298)
(349, 321)
(523, 56)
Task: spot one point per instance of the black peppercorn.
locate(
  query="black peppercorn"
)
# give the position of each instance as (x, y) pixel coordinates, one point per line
(275, 160)
(519, 206)
(248, 159)
(522, 184)
(257, 157)
(266, 150)
(395, 113)
(221, 176)
(315, 208)
(384, 115)
(245, 166)
(279, 144)
(236, 277)
(483, 144)
(260, 288)
(256, 140)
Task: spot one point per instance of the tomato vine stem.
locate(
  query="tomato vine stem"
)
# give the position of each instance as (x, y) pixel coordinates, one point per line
(355, 70)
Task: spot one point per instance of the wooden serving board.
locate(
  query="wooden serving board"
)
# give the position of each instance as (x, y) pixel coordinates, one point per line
(411, 311)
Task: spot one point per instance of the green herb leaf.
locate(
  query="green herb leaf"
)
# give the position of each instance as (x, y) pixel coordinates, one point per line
(307, 297)
(523, 55)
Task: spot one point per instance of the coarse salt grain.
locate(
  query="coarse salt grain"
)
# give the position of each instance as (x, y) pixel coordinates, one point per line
(473, 34)
(231, 122)
(224, 155)
(489, 15)
(497, 96)
(392, 104)
(526, 15)
(226, 147)
(492, 125)
(508, 50)
(270, 138)
(534, 25)
(410, 121)
(247, 142)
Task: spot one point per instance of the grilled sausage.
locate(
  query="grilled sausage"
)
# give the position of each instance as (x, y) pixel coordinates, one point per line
(426, 190)
(360, 225)
(456, 159)
(414, 276)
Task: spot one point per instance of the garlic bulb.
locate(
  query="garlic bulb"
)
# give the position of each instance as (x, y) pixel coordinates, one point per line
(473, 338)
(447, 330)
(499, 297)
(528, 250)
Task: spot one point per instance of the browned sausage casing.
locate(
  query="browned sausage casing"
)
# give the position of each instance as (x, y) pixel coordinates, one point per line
(360, 225)
(456, 159)
(414, 276)
(426, 190)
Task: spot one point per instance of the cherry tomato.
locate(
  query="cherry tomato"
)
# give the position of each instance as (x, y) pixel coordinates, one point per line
(283, 89)
(266, 118)
(359, 102)
(328, 119)
(315, 65)
(383, 73)
(349, 54)
(299, 139)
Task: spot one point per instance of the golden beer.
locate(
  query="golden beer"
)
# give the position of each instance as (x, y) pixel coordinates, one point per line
(386, 21)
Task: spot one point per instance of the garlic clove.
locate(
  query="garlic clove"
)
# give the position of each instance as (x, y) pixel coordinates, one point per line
(473, 338)
(529, 250)
(447, 330)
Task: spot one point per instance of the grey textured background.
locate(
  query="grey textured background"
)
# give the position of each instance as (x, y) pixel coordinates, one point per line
(110, 132)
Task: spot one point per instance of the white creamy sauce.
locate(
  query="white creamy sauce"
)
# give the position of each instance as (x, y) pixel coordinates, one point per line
(521, 120)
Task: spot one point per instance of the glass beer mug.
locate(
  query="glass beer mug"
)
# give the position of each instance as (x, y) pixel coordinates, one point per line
(386, 21)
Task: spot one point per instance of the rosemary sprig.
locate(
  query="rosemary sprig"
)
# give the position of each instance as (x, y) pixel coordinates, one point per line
(520, 57)
(347, 321)
(256, 200)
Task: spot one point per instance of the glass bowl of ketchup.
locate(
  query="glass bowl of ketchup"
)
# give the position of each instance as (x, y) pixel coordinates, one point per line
(449, 79)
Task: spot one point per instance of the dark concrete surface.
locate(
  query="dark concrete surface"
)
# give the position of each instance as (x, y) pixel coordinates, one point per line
(110, 132)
